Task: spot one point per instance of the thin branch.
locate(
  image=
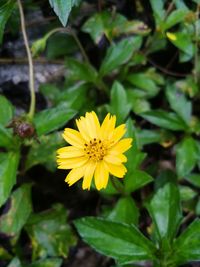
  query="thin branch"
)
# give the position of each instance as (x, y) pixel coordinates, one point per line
(30, 61)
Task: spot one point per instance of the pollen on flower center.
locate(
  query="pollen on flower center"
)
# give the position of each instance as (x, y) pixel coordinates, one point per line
(95, 149)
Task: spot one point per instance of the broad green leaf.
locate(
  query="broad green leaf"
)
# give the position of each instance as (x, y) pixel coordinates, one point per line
(143, 81)
(45, 151)
(119, 103)
(138, 104)
(20, 208)
(186, 193)
(6, 111)
(158, 10)
(118, 54)
(62, 8)
(183, 41)
(137, 179)
(179, 103)
(167, 120)
(164, 208)
(15, 263)
(6, 139)
(49, 233)
(187, 246)
(81, 70)
(175, 17)
(5, 12)
(53, 118)
(51, 262)
(8, 172)
(194, 179)
(146, 137)
(123, 242)
(186, 156)
(125, 211)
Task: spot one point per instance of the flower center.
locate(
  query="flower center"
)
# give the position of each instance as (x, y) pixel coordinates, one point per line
(95, 149)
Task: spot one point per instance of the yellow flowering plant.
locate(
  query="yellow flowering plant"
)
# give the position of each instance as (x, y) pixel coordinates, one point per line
(96, 150)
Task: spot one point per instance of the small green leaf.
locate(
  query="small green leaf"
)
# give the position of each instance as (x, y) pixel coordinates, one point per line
(119, 103)
(12, 222)
(187, 246)
(136, 180)
(52, 262)
(125, 211)
(186, 156)
(5, 12)
(174, 18)
(15, 263)
(8, 171)
(62, 8)
(118, 54)
(138, 104)
(6, 138)
(186, 193)
(44, 152)
(123, 242)
(165, 211)
(179, 103)
(145, 82)
(6, 111)
(81, 70)
(194, 179)
(49, 233)
(167, 120)
(53, 118)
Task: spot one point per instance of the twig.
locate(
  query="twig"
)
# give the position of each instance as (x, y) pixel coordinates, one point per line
(30, 62)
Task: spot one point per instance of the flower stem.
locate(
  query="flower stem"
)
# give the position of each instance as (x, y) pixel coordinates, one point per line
(30, 62)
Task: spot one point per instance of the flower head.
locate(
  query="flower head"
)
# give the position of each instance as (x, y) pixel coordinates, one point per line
(96, 150)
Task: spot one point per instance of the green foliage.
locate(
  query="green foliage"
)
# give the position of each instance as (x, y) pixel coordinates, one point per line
(138, 61)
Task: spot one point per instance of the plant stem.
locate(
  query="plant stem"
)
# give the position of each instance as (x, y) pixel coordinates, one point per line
(30, 62)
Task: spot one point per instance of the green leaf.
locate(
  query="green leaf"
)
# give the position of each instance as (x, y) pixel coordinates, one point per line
(145, 82)
(186, 193)
(81, 71)
(167, 120)
(49, 233)
(194, 179)
(119, 103)
(183, 41)
(5, 12)
(137, 180)
(186, 156)
(125, 211)
(118, 54)
(187, 246)
(20, 208)
(45, 151)
(6, 138)
(165, 211)
(123, 242)
(146, 137)
(179, 103)
(8, 171)
(174, 18)
(52, 262)
(62, 8)
(158, 10)
(6, 111)
(138, 104)
(15, 263)
(53, 118)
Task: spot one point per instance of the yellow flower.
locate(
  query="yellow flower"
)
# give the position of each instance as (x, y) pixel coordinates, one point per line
(96, 150)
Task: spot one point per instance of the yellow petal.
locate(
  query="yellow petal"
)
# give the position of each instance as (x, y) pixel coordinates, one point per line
(121, 146)
(70, 152)
(75, 175)
(89, 126)
(116, 170)
(73, 137)
(118, 133)
(88, 175)
(115, 159)
(101, 175)
(71, 163)
(107, 126)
